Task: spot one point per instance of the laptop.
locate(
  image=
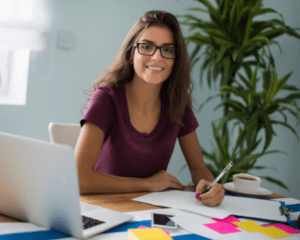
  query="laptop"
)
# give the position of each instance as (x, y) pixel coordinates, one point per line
(39, 184)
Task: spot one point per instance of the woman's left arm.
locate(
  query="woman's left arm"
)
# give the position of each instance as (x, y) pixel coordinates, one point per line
(201, 176)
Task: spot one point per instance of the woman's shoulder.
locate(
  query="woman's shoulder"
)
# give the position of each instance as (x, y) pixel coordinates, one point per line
(106, 93)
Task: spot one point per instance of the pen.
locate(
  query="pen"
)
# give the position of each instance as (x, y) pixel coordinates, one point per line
(218, 178)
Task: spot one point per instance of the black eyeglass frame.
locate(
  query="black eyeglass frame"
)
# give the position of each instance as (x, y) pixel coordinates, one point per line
(156, 47)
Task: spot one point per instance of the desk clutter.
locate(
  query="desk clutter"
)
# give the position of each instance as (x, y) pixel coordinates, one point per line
(192, 225)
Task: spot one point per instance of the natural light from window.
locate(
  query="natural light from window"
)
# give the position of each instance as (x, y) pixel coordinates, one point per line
(22, 24)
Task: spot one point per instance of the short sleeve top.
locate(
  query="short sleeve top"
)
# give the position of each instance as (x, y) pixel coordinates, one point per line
(125, 151)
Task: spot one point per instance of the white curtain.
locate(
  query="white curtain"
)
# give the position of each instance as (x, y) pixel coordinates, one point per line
(22, 23)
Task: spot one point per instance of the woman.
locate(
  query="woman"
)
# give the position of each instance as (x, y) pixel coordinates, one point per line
(137, 111)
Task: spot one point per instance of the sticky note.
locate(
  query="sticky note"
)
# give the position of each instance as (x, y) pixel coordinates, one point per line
(147, 234)
(274, 232)
(143, 227)
(249, 226)
(283, 227)
(222, 228)
(228, 220)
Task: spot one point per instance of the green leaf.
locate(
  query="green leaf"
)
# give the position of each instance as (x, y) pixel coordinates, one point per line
(195, 52)
(271, 92)
(262, 11)
(220, 144)
(194, 62)
(240, 140)
(275, 181)
(208, 5)
(221, 53)
(282, 81)
(262, 39)
(288, 126)
(290, 88)
(273, 33)
(233, 18)
(190, 17)
(224, 9)
(293, 96)
(226, 66)
(244, 25)
(244, 80)
(268, 131)
(198, 39)
(206, 101)
(208, 156)
(232, 115)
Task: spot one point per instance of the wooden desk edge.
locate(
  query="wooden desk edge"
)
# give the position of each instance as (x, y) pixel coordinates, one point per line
(122, 202)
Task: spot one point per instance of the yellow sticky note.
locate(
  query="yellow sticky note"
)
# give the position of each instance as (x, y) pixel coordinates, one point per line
(249, 226)
(274, 232)
(147, 234)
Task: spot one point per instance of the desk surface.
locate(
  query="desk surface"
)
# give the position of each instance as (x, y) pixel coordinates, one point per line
(122, 201)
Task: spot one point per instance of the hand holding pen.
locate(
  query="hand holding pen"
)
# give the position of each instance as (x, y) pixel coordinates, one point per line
(212, 197)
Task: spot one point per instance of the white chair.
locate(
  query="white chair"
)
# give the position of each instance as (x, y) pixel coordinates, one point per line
(64, 133)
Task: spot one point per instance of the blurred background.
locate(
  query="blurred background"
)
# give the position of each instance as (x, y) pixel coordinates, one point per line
(94, 31)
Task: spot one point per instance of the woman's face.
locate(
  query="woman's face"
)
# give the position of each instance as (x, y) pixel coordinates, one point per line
(154, 69)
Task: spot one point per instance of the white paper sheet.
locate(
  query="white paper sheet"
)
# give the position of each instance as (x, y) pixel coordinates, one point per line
(241, 206)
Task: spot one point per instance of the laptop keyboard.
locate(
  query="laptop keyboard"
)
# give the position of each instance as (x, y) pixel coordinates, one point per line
(88, 222)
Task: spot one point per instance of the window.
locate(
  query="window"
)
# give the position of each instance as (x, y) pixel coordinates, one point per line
(22, 24)
(4, 69)
(13, 76)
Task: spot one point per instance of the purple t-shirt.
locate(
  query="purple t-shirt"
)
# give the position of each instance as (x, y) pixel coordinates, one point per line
(125, 151)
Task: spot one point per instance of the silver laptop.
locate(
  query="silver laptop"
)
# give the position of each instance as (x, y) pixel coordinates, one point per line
(39, 184)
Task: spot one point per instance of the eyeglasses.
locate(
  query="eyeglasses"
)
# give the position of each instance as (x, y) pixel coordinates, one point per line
(149, 50)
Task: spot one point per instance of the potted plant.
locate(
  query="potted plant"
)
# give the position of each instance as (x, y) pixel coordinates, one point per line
(234, 47)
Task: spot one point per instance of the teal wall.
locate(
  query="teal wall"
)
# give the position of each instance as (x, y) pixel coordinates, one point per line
(57, 77)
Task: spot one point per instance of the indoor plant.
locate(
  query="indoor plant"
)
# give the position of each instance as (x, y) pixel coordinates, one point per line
(234, 47)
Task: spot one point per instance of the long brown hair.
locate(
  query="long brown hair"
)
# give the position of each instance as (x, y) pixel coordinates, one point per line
(177, 89)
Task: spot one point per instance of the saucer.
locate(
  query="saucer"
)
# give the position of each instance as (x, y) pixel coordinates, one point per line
(260, 191)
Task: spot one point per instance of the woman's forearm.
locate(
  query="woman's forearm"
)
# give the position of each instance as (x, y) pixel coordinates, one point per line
(98, 182)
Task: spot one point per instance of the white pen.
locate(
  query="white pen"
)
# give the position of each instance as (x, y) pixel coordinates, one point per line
(218, 178)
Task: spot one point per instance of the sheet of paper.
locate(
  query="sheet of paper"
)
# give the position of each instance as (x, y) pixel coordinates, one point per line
(288, 201)
(241, 206)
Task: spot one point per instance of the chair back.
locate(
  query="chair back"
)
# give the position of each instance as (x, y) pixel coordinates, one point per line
(64, 133)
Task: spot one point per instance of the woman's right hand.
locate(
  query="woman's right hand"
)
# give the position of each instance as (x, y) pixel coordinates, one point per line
(161, 181)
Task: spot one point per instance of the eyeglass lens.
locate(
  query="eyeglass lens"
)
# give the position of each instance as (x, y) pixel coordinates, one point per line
(148, 49)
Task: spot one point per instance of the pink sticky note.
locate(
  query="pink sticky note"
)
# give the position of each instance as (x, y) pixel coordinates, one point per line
(141, 227)
(222, 228)
(283, 227)
(228, 220)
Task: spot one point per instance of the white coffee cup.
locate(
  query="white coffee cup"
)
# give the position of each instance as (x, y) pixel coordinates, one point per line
(246, 183)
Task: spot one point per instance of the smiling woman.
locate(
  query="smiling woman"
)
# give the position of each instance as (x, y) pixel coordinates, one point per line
(137, 111)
